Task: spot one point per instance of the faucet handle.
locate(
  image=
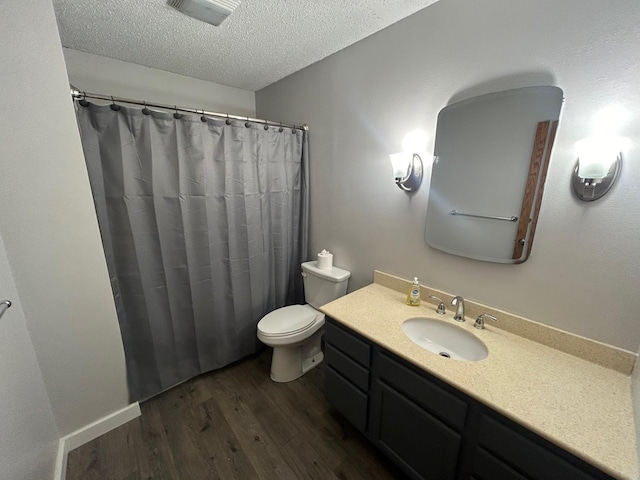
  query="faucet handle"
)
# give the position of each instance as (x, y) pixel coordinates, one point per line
(480, 320)
(440, 308)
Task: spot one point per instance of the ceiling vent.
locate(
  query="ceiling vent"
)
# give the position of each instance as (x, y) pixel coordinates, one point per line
(210, 11)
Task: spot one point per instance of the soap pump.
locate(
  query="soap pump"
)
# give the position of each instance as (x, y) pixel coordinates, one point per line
(413, 297)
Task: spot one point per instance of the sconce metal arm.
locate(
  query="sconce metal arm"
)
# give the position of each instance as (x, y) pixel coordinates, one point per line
(401, 185)
(414, 176)
(4, 305)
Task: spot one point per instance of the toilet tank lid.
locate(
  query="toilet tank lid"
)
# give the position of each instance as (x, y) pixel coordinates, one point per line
(334, 275)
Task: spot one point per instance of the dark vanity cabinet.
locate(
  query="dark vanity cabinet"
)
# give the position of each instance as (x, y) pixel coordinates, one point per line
(347, 374)
(414, 421)
(428, 428)
(508, 451)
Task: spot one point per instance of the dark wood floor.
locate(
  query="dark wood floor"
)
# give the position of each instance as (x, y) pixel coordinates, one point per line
(234, 423)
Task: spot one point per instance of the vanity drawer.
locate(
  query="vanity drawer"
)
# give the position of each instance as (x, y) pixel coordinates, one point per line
(487, 467)
(444, 405)
(346, 398)
(531, 458)
(359, 350)
(347, 367)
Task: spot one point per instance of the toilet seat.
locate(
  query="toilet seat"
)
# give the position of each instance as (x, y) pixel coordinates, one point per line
(288, 320)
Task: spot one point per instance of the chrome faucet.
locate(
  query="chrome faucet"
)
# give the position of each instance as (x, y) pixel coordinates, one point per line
(480, 320)
(458, 302)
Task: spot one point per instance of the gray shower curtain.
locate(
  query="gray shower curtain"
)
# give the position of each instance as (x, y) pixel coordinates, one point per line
(204, 227)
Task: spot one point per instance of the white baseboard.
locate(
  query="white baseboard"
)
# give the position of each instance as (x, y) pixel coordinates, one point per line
(89, 432)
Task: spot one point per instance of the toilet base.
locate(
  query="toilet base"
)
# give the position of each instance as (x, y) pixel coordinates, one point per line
(291, 362)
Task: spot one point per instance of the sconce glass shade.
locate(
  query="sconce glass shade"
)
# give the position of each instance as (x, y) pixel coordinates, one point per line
(598, 166)
(407, 170)
(596, 155)
(400, 164)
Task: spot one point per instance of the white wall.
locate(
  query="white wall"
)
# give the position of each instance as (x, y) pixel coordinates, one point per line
(584, 274)
(49, 227)
(98, 74)
(28, 434)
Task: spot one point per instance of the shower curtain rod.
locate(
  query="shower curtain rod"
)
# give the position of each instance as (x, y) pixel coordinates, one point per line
(77, 94)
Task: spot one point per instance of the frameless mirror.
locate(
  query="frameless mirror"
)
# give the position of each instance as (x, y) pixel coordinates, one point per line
(490, 164)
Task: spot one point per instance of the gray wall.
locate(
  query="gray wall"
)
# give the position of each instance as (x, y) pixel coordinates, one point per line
(49, 227)
(583, 275)
(635, 391)
(98, 74)
(29, 437)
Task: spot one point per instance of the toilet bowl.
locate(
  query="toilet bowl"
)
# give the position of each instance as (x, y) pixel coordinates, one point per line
(295, 332)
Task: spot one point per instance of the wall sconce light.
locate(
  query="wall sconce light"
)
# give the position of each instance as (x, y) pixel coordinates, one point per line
(407, 170)
(598, 166)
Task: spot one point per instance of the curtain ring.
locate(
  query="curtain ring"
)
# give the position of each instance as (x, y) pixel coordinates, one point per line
(281, 129)
(228, 122)
(203, 118)
(266, 125)
(247, 124)
(114, 107)
(293, 130)
(83, 102)
(145, 110)
(176, 115)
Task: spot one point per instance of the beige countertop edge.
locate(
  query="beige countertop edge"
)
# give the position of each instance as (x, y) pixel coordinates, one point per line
(555, 394)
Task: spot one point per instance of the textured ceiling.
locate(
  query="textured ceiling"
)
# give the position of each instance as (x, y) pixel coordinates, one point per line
(261, 42)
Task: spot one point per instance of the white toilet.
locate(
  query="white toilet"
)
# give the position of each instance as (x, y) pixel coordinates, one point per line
(295, 331)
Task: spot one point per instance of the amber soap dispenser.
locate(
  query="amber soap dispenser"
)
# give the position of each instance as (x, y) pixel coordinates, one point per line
(413, 297)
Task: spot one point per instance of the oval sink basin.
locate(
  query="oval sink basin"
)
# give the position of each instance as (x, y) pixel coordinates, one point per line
(445, 339)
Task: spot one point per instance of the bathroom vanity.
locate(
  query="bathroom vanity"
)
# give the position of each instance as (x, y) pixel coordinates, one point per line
(525, 412)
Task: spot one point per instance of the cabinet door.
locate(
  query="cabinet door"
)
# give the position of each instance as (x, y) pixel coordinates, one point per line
(346, 398)
(420, 444)
(422, 389)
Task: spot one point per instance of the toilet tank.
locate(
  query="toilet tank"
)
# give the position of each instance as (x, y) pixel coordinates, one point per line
(323, 286)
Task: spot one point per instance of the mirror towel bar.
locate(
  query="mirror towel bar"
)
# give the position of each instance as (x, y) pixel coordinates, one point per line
(508, 219)
(3, 306)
